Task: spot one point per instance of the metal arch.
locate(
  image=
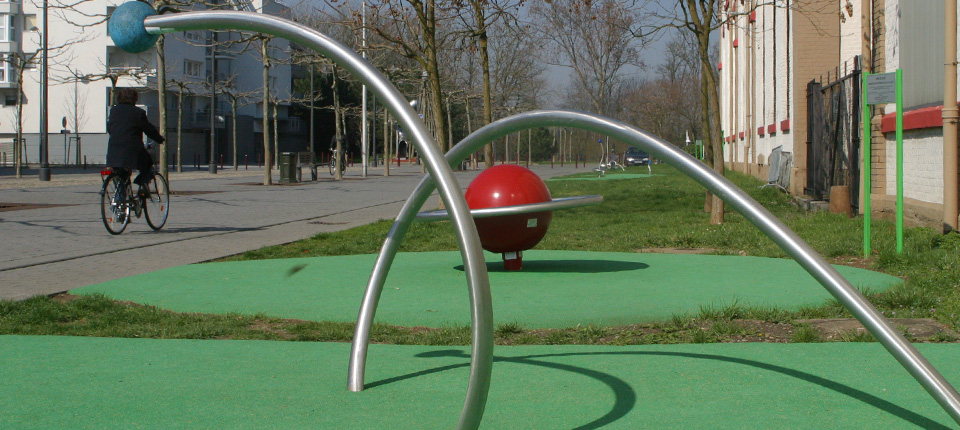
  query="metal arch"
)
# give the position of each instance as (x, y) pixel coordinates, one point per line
(809, 259)
(478, 282)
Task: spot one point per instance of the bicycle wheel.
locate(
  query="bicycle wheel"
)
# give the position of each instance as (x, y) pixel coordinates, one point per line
(332, 164)
(157, 206)
(114, 210)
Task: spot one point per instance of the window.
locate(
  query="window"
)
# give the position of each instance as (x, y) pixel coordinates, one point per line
(10, 100)
(191, 68)
(193, 35)
(110, 10)
(30, 23)
(5, 28)
(5, 68)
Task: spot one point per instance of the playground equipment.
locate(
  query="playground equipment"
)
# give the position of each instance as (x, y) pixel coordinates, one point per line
(512, 208)
(135, 28)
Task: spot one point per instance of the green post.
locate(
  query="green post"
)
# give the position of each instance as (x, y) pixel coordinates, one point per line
(867, 129)
(899, 161)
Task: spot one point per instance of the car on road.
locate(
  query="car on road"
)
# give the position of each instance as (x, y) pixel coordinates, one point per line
(636, 157)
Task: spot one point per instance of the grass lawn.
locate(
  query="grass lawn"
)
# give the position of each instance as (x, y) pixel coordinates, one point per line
(664, 211)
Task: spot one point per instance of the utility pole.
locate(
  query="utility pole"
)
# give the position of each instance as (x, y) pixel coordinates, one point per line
(44, 135)
(363, 114)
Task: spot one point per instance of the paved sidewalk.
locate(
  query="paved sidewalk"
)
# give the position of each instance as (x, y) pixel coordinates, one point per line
(53, 249)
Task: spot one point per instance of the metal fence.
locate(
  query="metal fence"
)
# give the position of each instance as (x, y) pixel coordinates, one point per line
(833, 136)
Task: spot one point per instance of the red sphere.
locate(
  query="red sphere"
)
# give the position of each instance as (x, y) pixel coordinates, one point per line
(509, 185)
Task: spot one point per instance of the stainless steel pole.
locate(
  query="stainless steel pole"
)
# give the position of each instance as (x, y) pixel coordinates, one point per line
(793, 245)
(478, 283)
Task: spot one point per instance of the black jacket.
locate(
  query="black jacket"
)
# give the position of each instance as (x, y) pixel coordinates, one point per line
(126, 126)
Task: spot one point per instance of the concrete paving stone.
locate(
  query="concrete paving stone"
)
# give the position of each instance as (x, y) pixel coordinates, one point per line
(54, 249)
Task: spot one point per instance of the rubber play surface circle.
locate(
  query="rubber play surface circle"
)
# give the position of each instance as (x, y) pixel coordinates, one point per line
(555, 289)
(148, 383)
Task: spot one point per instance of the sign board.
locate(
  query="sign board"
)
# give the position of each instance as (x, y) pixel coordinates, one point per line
(881, 88)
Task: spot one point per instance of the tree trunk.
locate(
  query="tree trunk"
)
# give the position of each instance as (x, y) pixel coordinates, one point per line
(713, 118)
(386, 142)
(180, 130)
(162, 105)
(267, 162)
(233, 113)
(433, 77)
(705, 136)
(276, 134)
(18, 145)
(485, 66)
(338, 132)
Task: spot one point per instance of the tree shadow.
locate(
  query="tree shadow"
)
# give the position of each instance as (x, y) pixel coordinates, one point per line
(625, 396)
(569, 266)
(209, 229)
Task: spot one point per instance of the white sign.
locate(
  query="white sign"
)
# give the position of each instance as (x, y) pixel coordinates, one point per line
(881, 88)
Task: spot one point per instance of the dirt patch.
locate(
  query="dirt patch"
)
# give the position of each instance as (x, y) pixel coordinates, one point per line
(915, 329)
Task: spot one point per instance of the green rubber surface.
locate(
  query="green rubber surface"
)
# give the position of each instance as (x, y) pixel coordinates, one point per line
(608, 177)
(52, 382)
(556, 289)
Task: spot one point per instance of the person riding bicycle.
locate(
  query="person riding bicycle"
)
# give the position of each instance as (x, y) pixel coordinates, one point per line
(126, 126)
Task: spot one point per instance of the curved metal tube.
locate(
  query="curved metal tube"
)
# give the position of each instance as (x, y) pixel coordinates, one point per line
(809, 259)
(475, 267)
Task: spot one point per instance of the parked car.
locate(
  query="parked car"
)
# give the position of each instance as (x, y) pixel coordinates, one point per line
(636, 157)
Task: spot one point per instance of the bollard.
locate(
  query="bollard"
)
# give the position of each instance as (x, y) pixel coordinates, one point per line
(221, 161)
(84, 162)
(259, 161)
(551, 161)
(246, 163)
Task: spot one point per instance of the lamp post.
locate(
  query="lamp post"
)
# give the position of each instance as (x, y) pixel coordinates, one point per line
(44, 136)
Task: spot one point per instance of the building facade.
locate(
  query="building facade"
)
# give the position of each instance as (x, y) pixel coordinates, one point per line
(790, 78)
(85, 68)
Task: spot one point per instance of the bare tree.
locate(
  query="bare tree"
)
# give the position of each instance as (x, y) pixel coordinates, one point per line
(485, 13)
(594, 41)
(416, 29)
(700, 18)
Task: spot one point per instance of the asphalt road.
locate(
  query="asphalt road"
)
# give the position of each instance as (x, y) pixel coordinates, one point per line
(46, 250)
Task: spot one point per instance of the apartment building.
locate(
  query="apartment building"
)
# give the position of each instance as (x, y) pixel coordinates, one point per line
(85, 67)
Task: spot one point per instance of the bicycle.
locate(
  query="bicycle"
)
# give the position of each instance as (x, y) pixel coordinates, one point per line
(335, 161)
(118, 202)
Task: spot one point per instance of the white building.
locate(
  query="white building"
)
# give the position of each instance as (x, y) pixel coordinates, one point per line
(790, 78)
(84, 62)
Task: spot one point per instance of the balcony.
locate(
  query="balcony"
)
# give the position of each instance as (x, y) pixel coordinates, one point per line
(9, 7)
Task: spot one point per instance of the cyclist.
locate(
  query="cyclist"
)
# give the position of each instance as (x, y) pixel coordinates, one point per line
(126, 126)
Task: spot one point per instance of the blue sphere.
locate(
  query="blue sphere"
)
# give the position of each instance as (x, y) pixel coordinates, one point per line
(126, 27)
